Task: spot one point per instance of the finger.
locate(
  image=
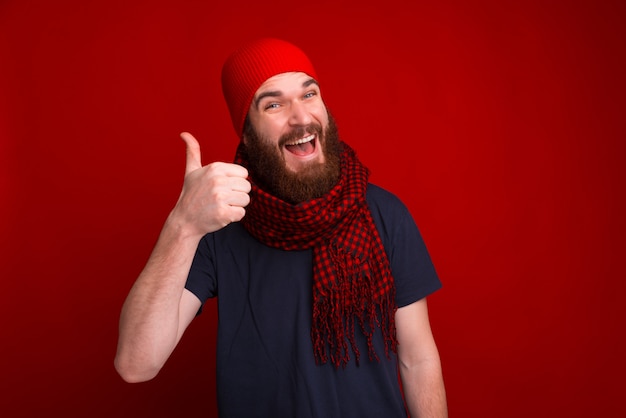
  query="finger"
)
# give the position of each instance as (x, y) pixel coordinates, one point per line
(194, 159)
(240, 184)
(238, 171)
(238, 199)
(231, 170)
(237, 213)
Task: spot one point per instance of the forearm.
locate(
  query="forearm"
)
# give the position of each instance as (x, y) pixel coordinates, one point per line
(149, 321)
(424, 390)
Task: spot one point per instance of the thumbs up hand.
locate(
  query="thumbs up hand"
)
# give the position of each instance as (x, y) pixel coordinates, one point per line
(213, 195)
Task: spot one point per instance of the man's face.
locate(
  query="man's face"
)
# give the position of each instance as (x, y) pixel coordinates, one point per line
(284, 111)
(290, 139)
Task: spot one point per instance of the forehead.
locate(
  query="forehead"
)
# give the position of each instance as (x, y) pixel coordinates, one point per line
(284, 82)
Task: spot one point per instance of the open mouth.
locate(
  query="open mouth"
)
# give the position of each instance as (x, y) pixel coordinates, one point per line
(303, 146)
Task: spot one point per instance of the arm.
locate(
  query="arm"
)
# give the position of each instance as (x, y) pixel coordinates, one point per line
(420, 367)
(158, 308)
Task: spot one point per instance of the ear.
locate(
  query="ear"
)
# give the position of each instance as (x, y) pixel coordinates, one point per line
(246, 127)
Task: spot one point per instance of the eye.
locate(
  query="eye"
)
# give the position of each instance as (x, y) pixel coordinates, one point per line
(310, 94)
(272, 105)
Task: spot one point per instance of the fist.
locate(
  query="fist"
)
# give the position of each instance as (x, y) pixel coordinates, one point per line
(213, 195)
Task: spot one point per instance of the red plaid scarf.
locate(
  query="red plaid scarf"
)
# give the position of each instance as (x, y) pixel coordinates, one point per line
(352, 280)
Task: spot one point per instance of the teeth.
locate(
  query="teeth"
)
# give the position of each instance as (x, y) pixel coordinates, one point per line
(303, 140)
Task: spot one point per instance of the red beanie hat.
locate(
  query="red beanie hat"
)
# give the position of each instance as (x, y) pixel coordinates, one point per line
(248, 67)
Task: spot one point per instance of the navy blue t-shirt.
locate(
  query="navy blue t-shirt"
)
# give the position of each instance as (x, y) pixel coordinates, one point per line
(265, 361)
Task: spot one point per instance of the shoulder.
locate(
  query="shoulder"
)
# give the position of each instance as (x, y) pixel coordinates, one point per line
(392, 218)
(375, 193)
(383, 204)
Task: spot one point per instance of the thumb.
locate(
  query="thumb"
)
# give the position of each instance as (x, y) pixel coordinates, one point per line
(194, 160)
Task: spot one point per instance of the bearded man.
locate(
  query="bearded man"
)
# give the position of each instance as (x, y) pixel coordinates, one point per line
(321, 276)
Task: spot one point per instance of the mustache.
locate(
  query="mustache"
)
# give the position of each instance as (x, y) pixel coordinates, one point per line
(300, 132)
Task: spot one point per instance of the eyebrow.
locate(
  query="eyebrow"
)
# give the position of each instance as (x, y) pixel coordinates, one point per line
(278, 93)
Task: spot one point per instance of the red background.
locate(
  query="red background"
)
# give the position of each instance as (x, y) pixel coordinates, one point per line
(500, 125)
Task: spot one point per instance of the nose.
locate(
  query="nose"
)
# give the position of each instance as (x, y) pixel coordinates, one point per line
(299, 115)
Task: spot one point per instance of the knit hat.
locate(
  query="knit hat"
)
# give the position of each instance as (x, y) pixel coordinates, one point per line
(248, 67)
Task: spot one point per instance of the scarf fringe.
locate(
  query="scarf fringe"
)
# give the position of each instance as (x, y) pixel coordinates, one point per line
(350, 302)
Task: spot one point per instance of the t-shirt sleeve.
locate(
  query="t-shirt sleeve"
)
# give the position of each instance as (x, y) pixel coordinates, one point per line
(414, 274)
(202, 280)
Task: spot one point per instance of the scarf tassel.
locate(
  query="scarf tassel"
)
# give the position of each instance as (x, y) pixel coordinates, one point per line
(351, 301)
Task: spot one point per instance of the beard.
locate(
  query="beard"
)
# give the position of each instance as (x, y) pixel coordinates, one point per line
(269, 170)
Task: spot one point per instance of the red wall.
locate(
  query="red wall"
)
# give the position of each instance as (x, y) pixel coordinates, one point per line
(500, 126)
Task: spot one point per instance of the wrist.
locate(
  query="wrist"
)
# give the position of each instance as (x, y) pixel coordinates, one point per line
(177, 225)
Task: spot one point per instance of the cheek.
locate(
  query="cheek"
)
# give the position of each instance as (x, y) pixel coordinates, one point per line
(324, 120)
(268, 132)
(320, 116)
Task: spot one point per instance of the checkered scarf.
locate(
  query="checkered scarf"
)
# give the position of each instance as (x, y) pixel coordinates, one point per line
(352, 282)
